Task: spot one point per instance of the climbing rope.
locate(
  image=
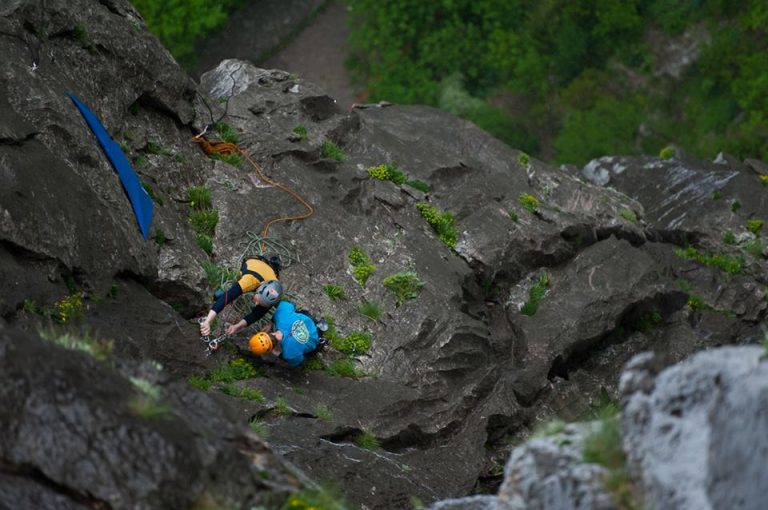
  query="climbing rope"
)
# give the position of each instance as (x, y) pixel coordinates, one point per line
(226, 149)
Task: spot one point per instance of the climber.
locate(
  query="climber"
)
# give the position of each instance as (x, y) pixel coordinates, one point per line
(256, 273)
(296, 335)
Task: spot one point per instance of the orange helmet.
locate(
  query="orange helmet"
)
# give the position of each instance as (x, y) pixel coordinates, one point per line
(260, 343)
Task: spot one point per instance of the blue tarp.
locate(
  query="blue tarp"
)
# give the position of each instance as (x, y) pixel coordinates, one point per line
(140, 200)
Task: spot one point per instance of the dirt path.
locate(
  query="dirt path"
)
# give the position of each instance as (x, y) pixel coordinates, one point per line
(264, 32)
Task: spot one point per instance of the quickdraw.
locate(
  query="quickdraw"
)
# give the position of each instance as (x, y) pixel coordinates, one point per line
(212, 343)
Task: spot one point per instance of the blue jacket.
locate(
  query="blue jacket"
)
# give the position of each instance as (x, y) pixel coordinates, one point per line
(300, 334)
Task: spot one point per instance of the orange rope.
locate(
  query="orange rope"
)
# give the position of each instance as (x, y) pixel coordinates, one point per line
(227, 148)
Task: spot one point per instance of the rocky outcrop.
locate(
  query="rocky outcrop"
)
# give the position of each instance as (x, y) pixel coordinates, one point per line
(693, 433)
(455, 374)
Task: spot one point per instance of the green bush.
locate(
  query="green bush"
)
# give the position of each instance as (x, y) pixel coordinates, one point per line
(628, 214)
(729, 237)
(442, 223)
(404, 286)
(387, 172)
(370, 309)
(332, 151)
(226, 132)
(367, 440)
(728, 263)
(199, 198)
(668, 152)
(205, 243)
(528, 202)
(204, 222)
(355, 343)
(754, 226)
(535, 294)
(302, 132)
(236, 370)
(513, 215)
(362, 268)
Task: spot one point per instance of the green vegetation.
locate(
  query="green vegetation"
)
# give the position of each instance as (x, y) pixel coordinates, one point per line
(355, 343)
(31, 307)
(205, 242)
(581, 75)
(764, 180)
(362, 268)
(442, 223)
(233, 158)
(369, 309)
(388, 172)
(697, 303)
(537, 292)
(735, 206)
(156, 149)
(148, 403)
(281, 407)
(404, 286)
(226, 132)
(99, 348)
(513, 216)
(332, 151)
(68, 309)
(218, 275)
(628, 214)
(528, 202)
(302, 132)
(729, 237)
(667, 152)
(419, 185)
(259, 428)
(335, 292)
(754, 248)
(323, 413)
(314, 499)
(344, 368)
(523, 160)
(647, 322)
(151, 192)
(202, 218)
(728, 263)
(80, 34)
(603, 446)
(367, 440)
(245, 393)
(754, 226)
(201, 383)
(236, 370)
(717, 195)
(199, 198)
(179, 24)
(204, 222)
(159, 237)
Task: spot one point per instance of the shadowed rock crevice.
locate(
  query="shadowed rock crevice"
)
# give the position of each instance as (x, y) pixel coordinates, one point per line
(35, 475)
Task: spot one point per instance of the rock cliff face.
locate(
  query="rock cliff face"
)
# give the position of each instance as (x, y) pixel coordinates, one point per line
(453, 376)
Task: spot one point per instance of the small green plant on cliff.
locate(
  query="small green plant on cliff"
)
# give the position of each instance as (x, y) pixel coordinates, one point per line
(80, 34)
(419, 185)
(667, 152)
(244, 393)
(523, 160)
(387, 172)
(335, 292)
(259, 428)
(199, 198)
(67, 309)
(764, 180)
(99, 348)
(282, 408)
(217, 275)
(302, 132)
(754, 226)
(404, 286)
(236, 370)
(727, 263)
(157, 149)
(729, 237)
(147, 404)
(442, 223)
(366, 439)
(628, 214)
(362, 268)
(369, 309)
(201, 383)
(331, 151)
(528, 202)
(233, 158)
(315, 499)
(344, 368)
(353, 344)
(513, 215)
(226, 132)
(754, 248)
(151, 192)
(537, 292)
(735, 206)
(323, 413)
(603, 446)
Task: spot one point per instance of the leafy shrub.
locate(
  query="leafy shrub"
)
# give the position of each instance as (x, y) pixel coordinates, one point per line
(387, 172)
(201, 383)
(754, 226)
(537, 292)
(68, 308)
(727, 263)
(332, 151)
(335, 292)
(528, 202)
(236, 370)
(523, 160)
(442, 223)
(362, 268)
(356, 342)
(157, 149)
(404, 286)
(628, 214)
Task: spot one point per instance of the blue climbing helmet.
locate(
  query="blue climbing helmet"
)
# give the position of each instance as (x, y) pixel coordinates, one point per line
(270, 292)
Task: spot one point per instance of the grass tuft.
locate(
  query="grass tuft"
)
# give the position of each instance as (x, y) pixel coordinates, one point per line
(362, 268)
(226, 132)
(99, 348)
(244, 393)
(406, 285)
(535, 294)
(335, 292)
(628, 214)
(528, 202)
(370, 309)
(323, 413)
(332, 151)
(236, 370)
(442, 223)
(728, 263)
(367, 440)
